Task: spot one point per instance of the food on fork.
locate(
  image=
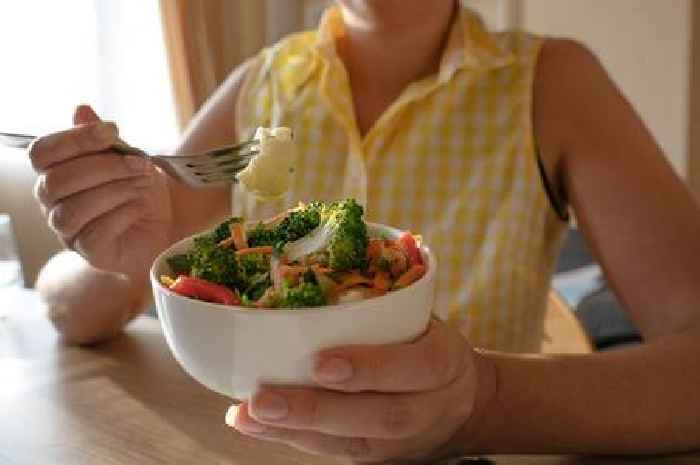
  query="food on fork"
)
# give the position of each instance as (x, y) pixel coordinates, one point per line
(269, 174)
(313, 255)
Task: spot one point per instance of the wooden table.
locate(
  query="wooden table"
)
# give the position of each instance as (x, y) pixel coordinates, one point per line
(128, 402)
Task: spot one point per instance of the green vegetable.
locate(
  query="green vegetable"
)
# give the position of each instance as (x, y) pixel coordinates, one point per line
(180, 264)
(256, 287)
(304, 295)
(223, 230)
(260, 236)
(296, 225)
(299, 223)
(214, 263)
(253, 264)
(332, 234)
(342, 232)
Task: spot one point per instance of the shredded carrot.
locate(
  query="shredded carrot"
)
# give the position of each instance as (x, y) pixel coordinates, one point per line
(412, 275)
(265, 249)
(328, 286)
(351, 280)
(374, 249)
(239, 236)
(398, 262)
(278, 218)
(382, 281)
(291, 272)
(321, 269)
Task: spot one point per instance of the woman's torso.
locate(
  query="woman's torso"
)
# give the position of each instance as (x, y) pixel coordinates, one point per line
(452, 159)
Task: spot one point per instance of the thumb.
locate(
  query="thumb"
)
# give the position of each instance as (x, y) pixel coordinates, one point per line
(85, 114)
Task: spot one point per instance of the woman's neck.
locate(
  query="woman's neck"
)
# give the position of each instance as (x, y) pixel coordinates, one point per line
(394, 41)
(387, 45)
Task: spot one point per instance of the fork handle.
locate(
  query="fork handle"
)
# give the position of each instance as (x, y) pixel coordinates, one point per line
(23, 141)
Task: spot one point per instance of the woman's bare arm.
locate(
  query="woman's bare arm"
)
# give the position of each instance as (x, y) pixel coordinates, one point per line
(643, 225)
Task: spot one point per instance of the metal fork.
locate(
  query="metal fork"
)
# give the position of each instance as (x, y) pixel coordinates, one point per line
(213, 168)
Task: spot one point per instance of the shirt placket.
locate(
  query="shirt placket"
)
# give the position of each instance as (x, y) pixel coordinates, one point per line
(335, 93)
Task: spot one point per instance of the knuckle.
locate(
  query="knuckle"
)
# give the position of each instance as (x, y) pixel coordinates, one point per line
(88, 241)
(34, 152)
(38, 190)
(397, 419)
(38, 150)
(62, 218)
(49, 185)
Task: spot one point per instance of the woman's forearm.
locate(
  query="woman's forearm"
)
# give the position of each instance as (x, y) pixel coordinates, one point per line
(638, 400)
(87, 305)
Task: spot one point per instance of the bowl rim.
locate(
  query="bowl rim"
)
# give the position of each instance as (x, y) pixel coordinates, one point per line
(426, 252)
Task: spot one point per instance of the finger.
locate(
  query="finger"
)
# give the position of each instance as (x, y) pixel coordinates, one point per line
(84, 114)
(370, 415)
(433, 361)
(101, 233)
(85, 173)
(64, 145)
(69, 216)
(357, 448)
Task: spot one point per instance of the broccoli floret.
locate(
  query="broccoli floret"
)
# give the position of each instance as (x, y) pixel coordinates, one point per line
(299, 223)
(254, 275)
(341, 232)
(260, 236)
(256, 287)
(253, 264)
(180, 264)
(296, 225)
(304, 295)
(223, 230)
(213, 263)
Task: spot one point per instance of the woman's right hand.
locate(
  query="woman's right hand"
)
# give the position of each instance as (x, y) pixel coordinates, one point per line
(112, 209)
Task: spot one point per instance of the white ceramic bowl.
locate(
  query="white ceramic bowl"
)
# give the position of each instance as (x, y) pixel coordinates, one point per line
(231, 349)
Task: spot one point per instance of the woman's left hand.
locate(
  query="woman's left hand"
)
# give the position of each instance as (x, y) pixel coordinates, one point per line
(378, 403)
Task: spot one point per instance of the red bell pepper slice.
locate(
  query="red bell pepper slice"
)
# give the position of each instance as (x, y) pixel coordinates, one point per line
(409, 246)
(204, 290)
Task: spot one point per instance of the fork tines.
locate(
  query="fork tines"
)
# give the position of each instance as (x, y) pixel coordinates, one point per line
(222, 156)
(222, 166)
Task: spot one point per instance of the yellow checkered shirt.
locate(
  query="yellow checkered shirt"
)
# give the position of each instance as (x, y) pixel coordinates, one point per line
(452, 159)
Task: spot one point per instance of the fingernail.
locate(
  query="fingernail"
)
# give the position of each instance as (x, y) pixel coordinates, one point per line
(269, 406)
(248, 426)
(334, 370)
(135, 164)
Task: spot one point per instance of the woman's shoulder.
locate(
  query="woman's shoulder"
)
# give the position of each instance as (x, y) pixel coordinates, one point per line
(543, 50)
(294, 47)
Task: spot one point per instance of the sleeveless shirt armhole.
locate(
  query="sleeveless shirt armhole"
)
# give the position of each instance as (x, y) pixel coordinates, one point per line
(558, 204)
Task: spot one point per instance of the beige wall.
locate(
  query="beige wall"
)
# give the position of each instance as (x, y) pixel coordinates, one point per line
(645, 46)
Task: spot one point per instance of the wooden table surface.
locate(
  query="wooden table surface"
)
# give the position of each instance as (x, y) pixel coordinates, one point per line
(128, 402)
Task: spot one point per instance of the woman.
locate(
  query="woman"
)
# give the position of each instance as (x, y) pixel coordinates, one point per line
(477, 141)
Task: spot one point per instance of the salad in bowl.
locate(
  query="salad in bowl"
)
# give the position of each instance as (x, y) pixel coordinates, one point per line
(314, 255)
